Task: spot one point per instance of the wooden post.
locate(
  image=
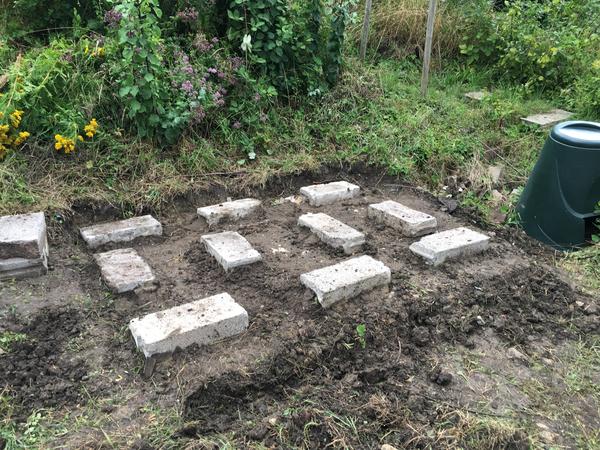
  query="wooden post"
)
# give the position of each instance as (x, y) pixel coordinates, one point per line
(365, 32)
(428, 45)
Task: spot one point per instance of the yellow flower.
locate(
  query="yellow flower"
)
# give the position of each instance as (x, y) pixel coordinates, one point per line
(66, 144)
(91, 128)
(15, 118)
(595, 65)
(80, 137)
(1, 113)
(23, 136)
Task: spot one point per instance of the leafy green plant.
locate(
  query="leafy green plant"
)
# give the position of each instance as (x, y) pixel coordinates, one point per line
(8, 338)
(296, 45)
(361, 333)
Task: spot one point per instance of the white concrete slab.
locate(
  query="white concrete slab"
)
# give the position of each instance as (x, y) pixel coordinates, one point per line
(230, 249)
(346, 279)
(124, 270)
(234, 210)
(201, 322)
(402, 218)
(333, 232)
(450, 244)
(548, 119)
(121, 231)
(476, 95)
(23, 236)
(326, 194)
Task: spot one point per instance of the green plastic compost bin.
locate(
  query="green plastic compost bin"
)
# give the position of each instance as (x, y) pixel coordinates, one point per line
(558, 205)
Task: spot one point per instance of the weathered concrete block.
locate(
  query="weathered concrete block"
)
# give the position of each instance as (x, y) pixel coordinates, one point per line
(402, 218)
(230, 249)
(476, 95)
(18, 268)
(235, 210)
(124, 270)
(449, 244)
(201, 322)
(121, 231)
(548, 119)
(346, 279)
(333, 232)
(23, 236)
(326, 194)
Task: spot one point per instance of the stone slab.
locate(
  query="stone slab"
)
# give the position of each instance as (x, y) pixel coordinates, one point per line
(124, 270)
(402, 218)
(548, 119)
(346, 279)
(333, 232)
(201, 322)
(234, 210)
(230, 249)
(450, 244)
(121, 231)
(476, 95)
(25, 272)
(326, 194)
(23, 236)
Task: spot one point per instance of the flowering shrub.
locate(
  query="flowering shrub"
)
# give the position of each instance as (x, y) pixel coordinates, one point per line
(10, 136)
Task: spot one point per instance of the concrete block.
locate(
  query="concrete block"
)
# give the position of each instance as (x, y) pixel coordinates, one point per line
(326, 194)
(548, 119)
(333, 232)
(23, 236)
(124, 270)
(230, 249)
(456, 243)
(19, 268)
(121, 231)
(346, 279)
(201, 322)
(475, 95)
(402, 218)
(235, 210)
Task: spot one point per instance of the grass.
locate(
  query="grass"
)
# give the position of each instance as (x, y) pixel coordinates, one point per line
(376, 115)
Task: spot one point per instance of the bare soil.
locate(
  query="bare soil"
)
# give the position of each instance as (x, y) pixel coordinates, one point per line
(436, 345)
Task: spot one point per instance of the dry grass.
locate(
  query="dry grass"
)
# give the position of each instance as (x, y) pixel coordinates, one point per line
(398, 28)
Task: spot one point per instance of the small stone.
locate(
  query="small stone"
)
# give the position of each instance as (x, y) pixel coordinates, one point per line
(591, 309)
(450, 244)
(388, 447)
(230, 249)
(475, 95)
(347, 279)
(480, 321)
(326, 194)
(402, 218)
(233, 210)
(124, 270)
(201, 322)
(513, 353)
(272, 421)
(121, 231)
(333, 232)
(548, 119)
(495, 173)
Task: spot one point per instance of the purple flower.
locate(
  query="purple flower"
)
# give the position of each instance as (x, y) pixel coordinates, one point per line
(187, 87)
(112, 18)
(212, 70)
(263, 117)
(257, 97)
(237, 125)
(188, 15)
(198, 115)
(236, 62)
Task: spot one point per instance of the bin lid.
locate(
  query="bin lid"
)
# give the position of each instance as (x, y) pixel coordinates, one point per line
(577, 133)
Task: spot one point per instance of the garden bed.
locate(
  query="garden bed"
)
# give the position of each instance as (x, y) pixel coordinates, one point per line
(477, 352)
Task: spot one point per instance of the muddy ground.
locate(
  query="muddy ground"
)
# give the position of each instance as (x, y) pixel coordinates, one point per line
(496, 351)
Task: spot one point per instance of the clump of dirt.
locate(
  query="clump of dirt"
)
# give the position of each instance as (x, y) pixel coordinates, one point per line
(41, 371)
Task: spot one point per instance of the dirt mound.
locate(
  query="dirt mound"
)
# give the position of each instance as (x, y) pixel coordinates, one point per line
(42, 371)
